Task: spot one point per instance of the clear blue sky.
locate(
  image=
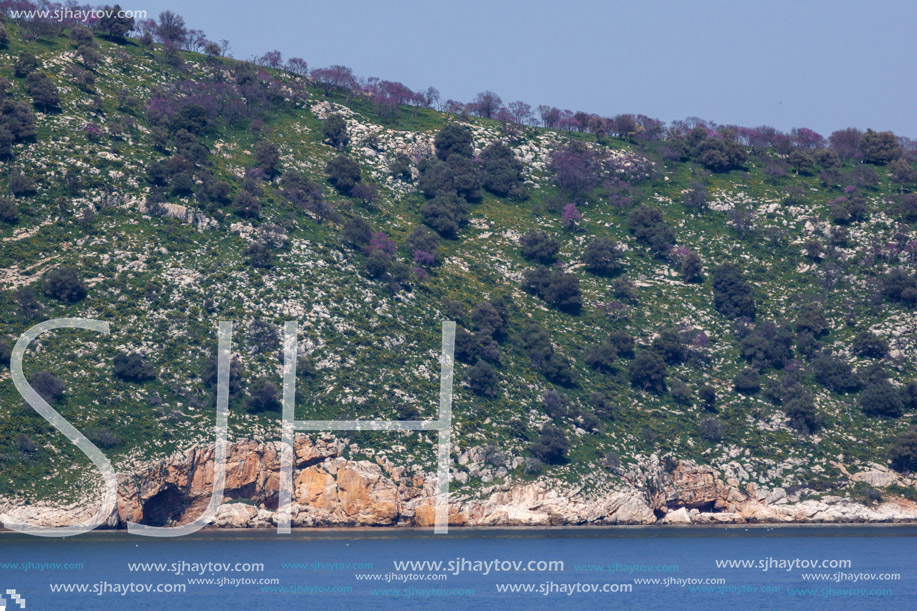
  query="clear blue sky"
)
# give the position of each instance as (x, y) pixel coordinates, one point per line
(822, 64)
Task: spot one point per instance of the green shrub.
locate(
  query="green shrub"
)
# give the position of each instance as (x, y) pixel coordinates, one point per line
(647, 372)
(881, 399)
(343, 173)
(64, 284)
(131, 367)
(903, 451)
(334, 129)
(602, 257)
(551, 445)
(453, 139)
(732, 295)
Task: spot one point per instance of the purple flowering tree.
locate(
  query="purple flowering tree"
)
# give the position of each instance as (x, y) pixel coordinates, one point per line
(570, 217)
(381, 242)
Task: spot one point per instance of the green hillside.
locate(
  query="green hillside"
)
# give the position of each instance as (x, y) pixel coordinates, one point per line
(618, 292)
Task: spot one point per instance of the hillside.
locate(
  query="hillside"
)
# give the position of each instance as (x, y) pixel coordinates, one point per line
(742, 299)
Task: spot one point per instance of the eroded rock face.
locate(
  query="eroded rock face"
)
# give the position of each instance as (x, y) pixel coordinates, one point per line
(329, 490)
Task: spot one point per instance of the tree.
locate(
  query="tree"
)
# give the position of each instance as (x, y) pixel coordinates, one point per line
(272, 59)
(400, 167)
(570, 217)
(262, 336)
(267, 156)
(647, 225)
(696, 197)
(732, 296)
(601, 357)
(710, 430)
(717, 152)
(298, 66)
(800, 410)
(486, 104)
(623, 343)
(707, 396)
(182, 184)
(551, 445)
(445, 214)
(802, 161)
(464, 173)
(899, 286)
(6, 351)
(453, 138)
(435, 178)
(577, 168)
(265, 397)
(482, 378)
(210, 375)
(343, 173)
(131, 367)
(806, 138)
(906, 208)
(357, 232)
(247, 205)
(9, 212)
(669, 346)
(170, 30)
(746, 381)
(501, 172)
(881, 399)
(64, 284)
(48, 386)
(557, 288)
(537, 344)
(521, 112)
(835, 375)
(16, 125)
(647, 372)
(903, 451)
(692, 268)
(422, 240)
(491, 317)
(902, 172)
(846, 142)
(20, 184)
(602, 257)
(335, 77)
(114, 21)
(539, 246)
(549, 115)
(563, 292)
(44, 94)
(767, 346)
(624, 126)
(334, 129)
(879, 148)
(27, 302)
(259, 255)
(25, 64)
(869, 344)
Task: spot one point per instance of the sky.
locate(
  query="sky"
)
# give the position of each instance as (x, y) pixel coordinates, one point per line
(825, 65)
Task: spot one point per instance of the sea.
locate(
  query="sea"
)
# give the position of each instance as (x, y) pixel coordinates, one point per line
(710, 568)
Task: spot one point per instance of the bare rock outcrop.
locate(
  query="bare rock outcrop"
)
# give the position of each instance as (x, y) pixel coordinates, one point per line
(330, 490)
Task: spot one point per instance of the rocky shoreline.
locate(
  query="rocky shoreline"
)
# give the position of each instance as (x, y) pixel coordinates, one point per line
(331, 491)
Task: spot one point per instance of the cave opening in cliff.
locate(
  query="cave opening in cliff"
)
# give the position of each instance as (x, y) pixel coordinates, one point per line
(165, 507)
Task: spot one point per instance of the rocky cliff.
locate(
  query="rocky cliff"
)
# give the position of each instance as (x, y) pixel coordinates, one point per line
(332, 491)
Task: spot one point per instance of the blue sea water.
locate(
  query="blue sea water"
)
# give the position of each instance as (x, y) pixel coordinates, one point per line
(593, 568)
